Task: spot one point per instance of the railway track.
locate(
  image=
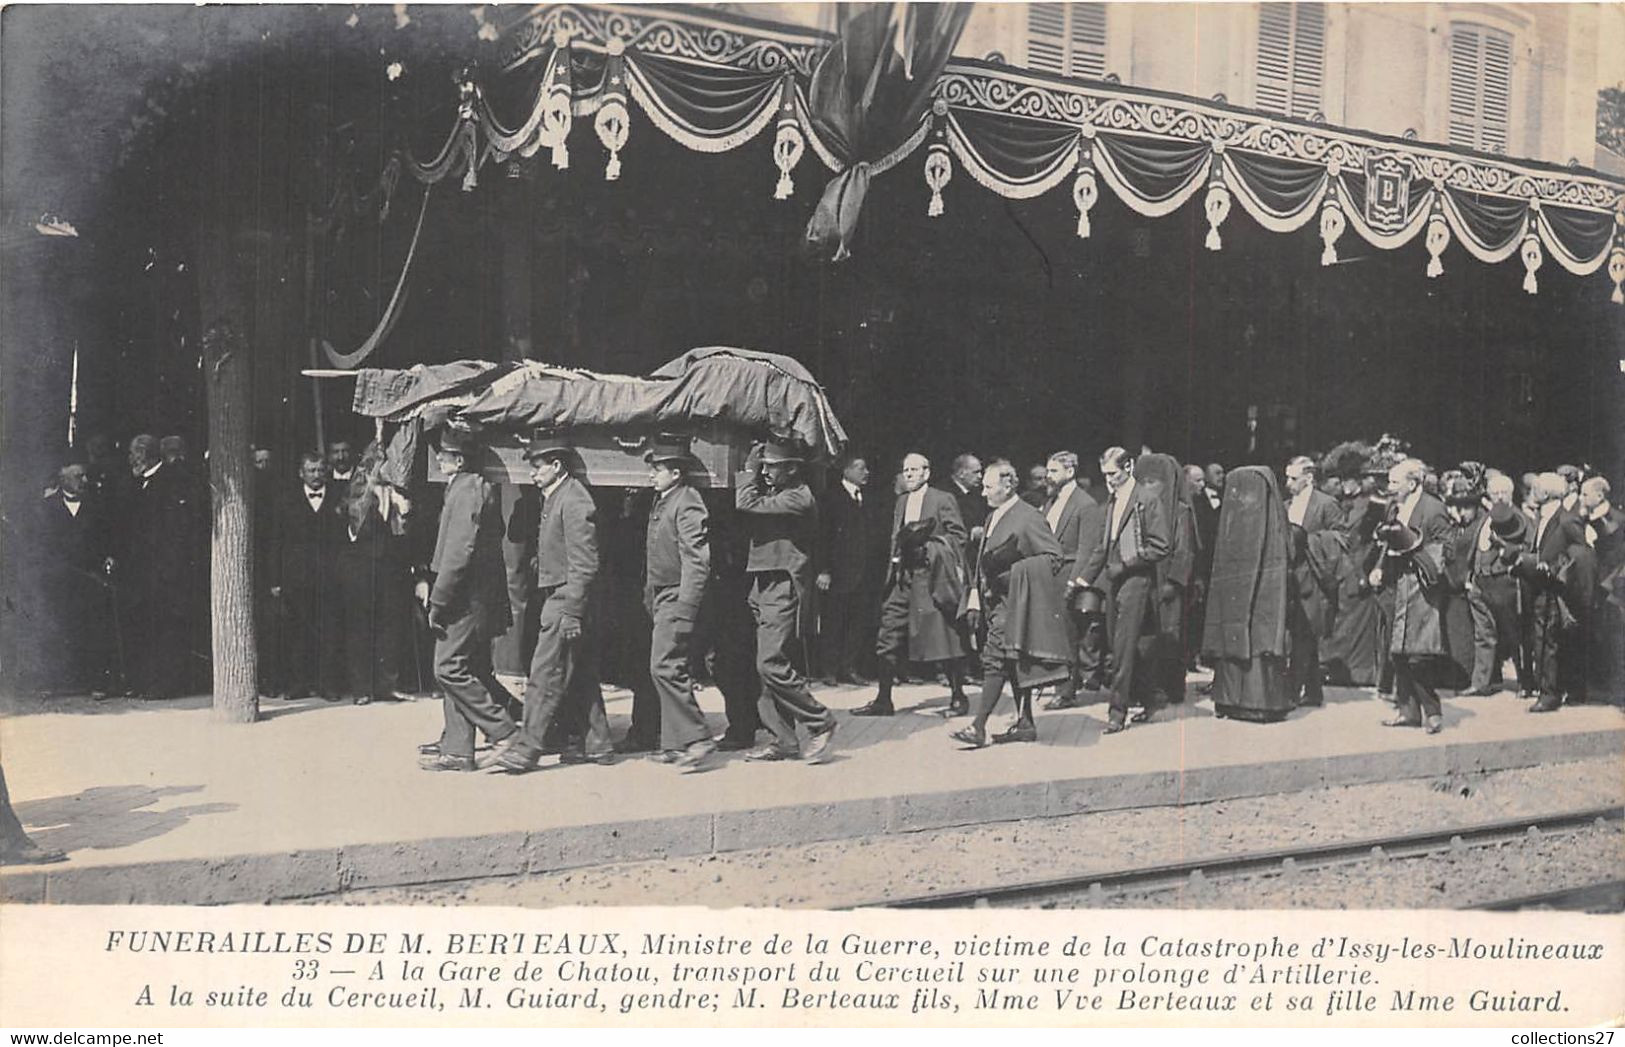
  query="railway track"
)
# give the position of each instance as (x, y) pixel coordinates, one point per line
(1093, 887)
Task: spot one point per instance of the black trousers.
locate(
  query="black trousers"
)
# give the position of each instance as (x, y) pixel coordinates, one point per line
(849, 622)
(1417, 698)
(1303, 663)
(1131, 613)
(372, 612)
(311, 657)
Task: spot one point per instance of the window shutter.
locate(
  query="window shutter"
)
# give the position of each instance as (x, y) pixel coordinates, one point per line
(1480, 87)
(1046, 37)
(1291, 58)
(1087, 40)
(1068, 39)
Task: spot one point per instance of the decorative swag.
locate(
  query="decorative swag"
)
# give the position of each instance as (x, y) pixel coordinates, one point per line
(715, 83)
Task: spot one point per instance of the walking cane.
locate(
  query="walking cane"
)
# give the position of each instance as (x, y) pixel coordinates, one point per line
(121, 682)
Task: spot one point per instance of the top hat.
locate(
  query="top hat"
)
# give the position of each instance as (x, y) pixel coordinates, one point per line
(1399, 538)
(666, 449)
(1458, 489)
(1504, 522)
(775, 451)
(543, 442)
(458, 441)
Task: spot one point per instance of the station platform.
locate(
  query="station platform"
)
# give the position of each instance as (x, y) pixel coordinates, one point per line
(156, 803)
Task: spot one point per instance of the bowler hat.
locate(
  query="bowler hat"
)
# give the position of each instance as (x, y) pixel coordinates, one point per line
(543, 442)
(781, 451)
(458, 441)
(1398, 537)
(666, 449)
(1504, 522)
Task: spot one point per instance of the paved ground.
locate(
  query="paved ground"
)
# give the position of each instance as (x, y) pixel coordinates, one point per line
(160, 803)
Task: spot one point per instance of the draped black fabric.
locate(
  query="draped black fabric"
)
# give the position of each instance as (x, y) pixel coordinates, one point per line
(1154, 168)
(1494, 221)
(1584, 234)
(869, 93)
(1284, 186)
(1019, 150)
(713, 100)
(1246, 601)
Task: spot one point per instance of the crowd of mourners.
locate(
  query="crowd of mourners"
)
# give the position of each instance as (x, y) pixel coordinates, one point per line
(1363, 568)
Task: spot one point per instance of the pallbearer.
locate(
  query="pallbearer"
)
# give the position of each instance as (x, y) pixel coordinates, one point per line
(563, 673)
(678, 559)
(468, 607)
(780, 519)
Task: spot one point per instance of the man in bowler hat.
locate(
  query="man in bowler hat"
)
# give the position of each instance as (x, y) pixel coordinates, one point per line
(678, 568)
(562, 672)
(468, 607)
(780, 518)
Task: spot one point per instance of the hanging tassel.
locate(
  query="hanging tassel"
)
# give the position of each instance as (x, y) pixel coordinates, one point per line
(939, 169)
(788, 141)
(1616, 273)
(1217, 206)
(1085, 193)
(1332, 224)
(1437, 240)
(556, 116)
(1532, 257)
(613, 128)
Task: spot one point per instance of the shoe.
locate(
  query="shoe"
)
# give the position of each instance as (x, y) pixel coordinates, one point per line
(27, 852)
(511, 759)
(1094, 683)
(401, 696)
(445, 762)
(958, 705)
(875, 708)
(1311, 703)
(971, 737)
(818, 750)
(694, 757)
(734, 744)
(429, 749)
(1144, 715)
(1435, 724)
(1018, 732)
(666, 756)
(492, 755)
(860, 680)
(1402, 721)
(1114, 727)
(770, 753)
(1548, 703)
(1062, 701)
(363, 699)
(841, 680)
(1484, 692)
(577, 756)
(632, 743)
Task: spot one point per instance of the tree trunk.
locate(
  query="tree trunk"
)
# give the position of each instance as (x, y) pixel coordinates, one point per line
(227, 172)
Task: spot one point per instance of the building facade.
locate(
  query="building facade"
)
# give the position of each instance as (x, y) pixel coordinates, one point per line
(1514, 79)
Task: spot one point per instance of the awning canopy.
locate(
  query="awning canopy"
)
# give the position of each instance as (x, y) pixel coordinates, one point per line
(714, 83)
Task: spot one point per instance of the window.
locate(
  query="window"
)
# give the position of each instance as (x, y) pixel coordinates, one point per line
(1480, 87)
(1291, 58)
(1069, 39)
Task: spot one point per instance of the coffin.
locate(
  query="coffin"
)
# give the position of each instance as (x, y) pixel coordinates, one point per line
(611, 459)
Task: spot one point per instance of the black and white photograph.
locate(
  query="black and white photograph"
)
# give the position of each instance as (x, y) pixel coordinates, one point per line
(1099, 472)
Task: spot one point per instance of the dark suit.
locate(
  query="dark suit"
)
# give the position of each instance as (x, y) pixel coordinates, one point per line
(1020, 532)
(1413, 581)
(307, 541)
(782, 529)
(677, 554)
(564, 672)
(1124, 564)
(1481, 578)
(469, 602)
(1077, 516)
(1552, 625)
(854, 554)
(1308, 605)
(1207, 531)
(914, 626)
(368, 564)
(1607, 661)
(72, 549)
